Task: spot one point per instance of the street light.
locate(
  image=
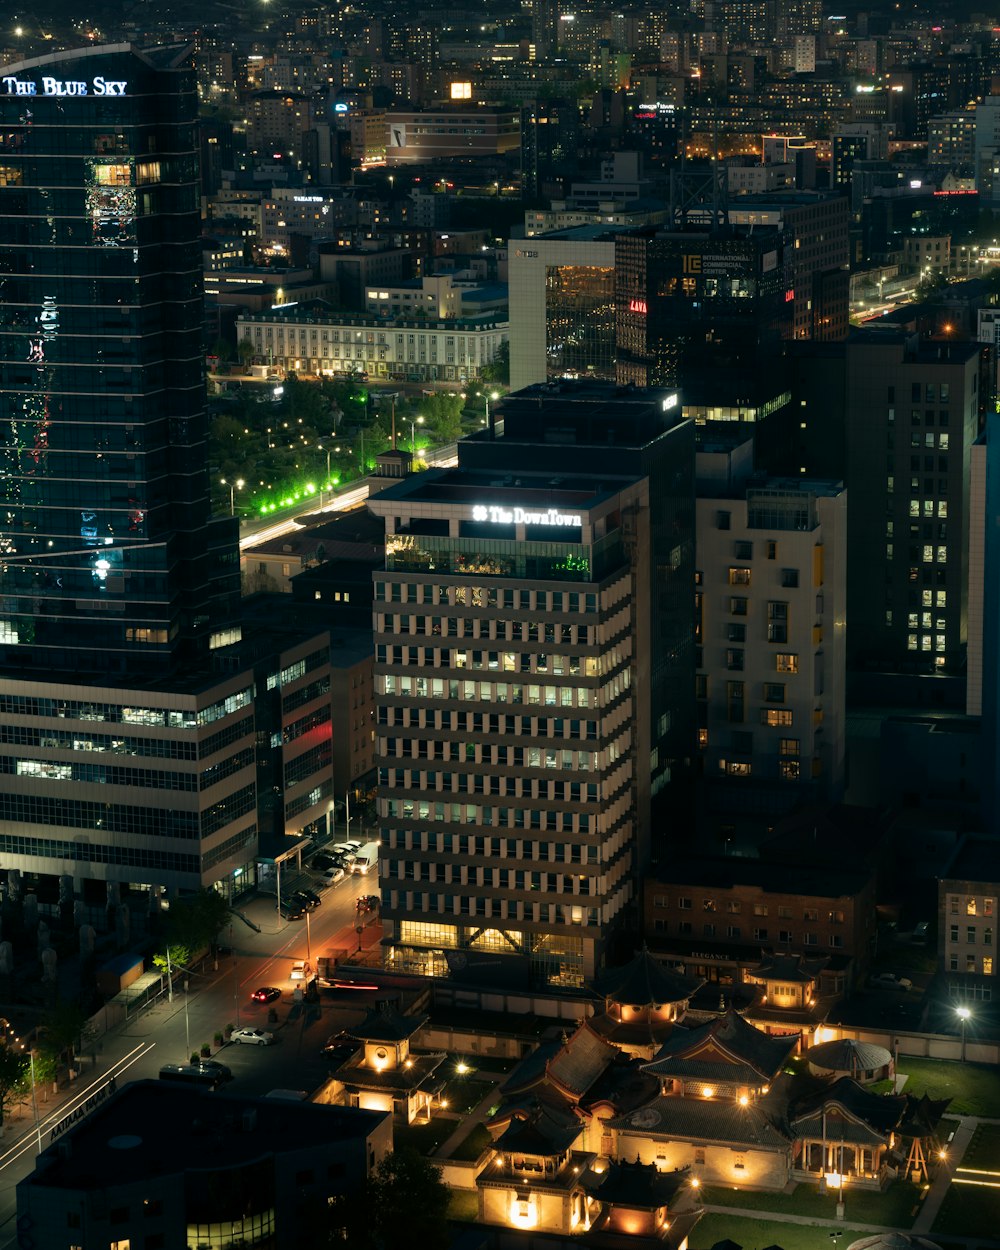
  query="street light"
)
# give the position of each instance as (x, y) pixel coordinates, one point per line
(233, 488)
(964, 1015)
(414, 422)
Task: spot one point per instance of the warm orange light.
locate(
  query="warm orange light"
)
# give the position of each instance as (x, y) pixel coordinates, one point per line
(708, 1091)
(744, 1100)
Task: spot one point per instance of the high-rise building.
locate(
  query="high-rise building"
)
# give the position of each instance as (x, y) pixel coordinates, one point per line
(704, 311)
(912, 418)
(772, 591)
(534, 683)
(110, 559)
(131, 720)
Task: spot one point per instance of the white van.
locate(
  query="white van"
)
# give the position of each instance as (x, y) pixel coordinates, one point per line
(367, 858)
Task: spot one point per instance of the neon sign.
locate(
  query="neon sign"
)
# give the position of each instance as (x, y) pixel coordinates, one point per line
(637, 306)
(58, 86)
(494, 515)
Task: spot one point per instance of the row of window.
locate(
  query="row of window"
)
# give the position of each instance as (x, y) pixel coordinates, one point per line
(486, 627)
(973, 905)
(734, 907)
(972, 935)
(97, 853)
(684, 928)
(464, 844)
(502, 817)
(497, 692)
(73, 709)
(985, 966)
(481, 722)
(54, 740)
(495, 908)
(491, 878)
(486, 597)
(476, 783)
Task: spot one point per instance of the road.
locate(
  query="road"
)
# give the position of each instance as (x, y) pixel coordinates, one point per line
(168, 1032)
(254, 532)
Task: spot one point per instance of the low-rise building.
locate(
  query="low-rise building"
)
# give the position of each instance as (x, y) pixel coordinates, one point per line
(162, 1164)
(333, 344)
(968, 901)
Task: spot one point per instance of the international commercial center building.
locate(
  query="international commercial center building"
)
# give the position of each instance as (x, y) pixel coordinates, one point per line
(534, 679)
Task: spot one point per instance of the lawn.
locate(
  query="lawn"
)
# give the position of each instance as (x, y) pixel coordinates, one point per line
(472, 1144)
(973, 1088)
(464, 1205)
(463, 1093)
(984, 1149)
(423, 1137)
(754, 1234)
(969, 1210)
(896, 1208)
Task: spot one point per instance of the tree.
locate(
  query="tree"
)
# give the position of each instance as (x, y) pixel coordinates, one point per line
(403, 1203)
(196, 921)
(498, 369)
(12, 1068)
(174, 957)
(245, 351)
(442, 415)
(65, 1029)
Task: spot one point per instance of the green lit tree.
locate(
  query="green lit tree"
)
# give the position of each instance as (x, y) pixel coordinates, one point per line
(13, 1064)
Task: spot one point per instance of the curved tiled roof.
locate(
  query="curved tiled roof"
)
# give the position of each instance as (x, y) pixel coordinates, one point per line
(728, 1039)
(702, 1119)
(847, 1055)
(645, 981)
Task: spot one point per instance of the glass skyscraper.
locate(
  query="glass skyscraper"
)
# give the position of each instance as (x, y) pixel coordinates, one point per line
(110, 561)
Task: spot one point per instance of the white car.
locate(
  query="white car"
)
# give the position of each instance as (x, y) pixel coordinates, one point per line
(333, 876)
(252, 1037)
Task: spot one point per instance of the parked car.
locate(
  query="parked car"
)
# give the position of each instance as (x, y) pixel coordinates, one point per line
(340, 1047)
(321, 862)
(367, 902)
(221, 1070)
(191, 1074)
(890, 981)
(266, 994)
(252, 1037)
(290, 909)
(308, 898)
(333, 876)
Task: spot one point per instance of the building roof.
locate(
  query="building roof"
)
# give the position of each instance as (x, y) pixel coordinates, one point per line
(846, 1111)
(578, 1063)
(975, 859)
(786, 967)
(639, 1185)
(847, 1055)
(419, 1072)
(838, 880)
(153, 1127)
(539, 1133)
(385, 1024)
(726, 1048)
(703, 1119)
(646, 982)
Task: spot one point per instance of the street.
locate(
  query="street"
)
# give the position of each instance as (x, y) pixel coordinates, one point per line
(168, 1032)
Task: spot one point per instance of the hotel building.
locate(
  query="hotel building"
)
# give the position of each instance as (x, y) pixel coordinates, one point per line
(534, 682)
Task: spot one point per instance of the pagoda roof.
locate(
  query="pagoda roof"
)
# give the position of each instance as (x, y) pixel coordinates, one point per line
(386, 1024)
(845, 1054)
(645, 982)
(704, 1120)
(638, 1185)
(846, 1111)
(421, 1074)
(726, 1048)
(796, 969)
(540, 1133)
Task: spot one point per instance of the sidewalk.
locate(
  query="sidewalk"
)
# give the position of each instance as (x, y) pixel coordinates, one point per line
(967, 1125)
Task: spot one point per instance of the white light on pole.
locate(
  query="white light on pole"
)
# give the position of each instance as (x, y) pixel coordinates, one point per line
(964, 1016)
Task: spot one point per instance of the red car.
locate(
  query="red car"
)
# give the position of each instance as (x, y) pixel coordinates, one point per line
(266, 994)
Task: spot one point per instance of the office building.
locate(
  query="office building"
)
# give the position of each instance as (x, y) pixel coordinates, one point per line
(416, 136)
(562, 306)
(534, 683)
(912, 418)
(111, 561)
(771, 603)
(133, 704)
(162, 1164)
(705, 311)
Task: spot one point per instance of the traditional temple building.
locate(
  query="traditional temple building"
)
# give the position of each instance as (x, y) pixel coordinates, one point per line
(385, 1076)
(642, 1003)
(790, 1001)
(713, 1112)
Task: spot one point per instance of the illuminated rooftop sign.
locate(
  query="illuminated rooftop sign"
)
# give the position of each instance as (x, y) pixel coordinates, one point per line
(58, 86)
(494, 515)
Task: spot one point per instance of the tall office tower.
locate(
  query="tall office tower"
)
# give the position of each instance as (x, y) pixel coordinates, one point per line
(706, 312)
(912, 418)
(772, 597)
(534, 683)
(110, 559)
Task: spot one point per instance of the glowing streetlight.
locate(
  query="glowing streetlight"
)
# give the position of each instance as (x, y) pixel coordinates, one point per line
(964, 1015)
(414, 422)
(233, 488)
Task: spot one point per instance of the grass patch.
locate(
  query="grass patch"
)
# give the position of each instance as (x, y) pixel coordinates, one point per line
(969, 1210)
(974, 1089)
(463, 1093)
(472, 1144)
(984, 1149)
(896, 1208)
(464, 1205)
(424, 1138)
(752, 1233)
